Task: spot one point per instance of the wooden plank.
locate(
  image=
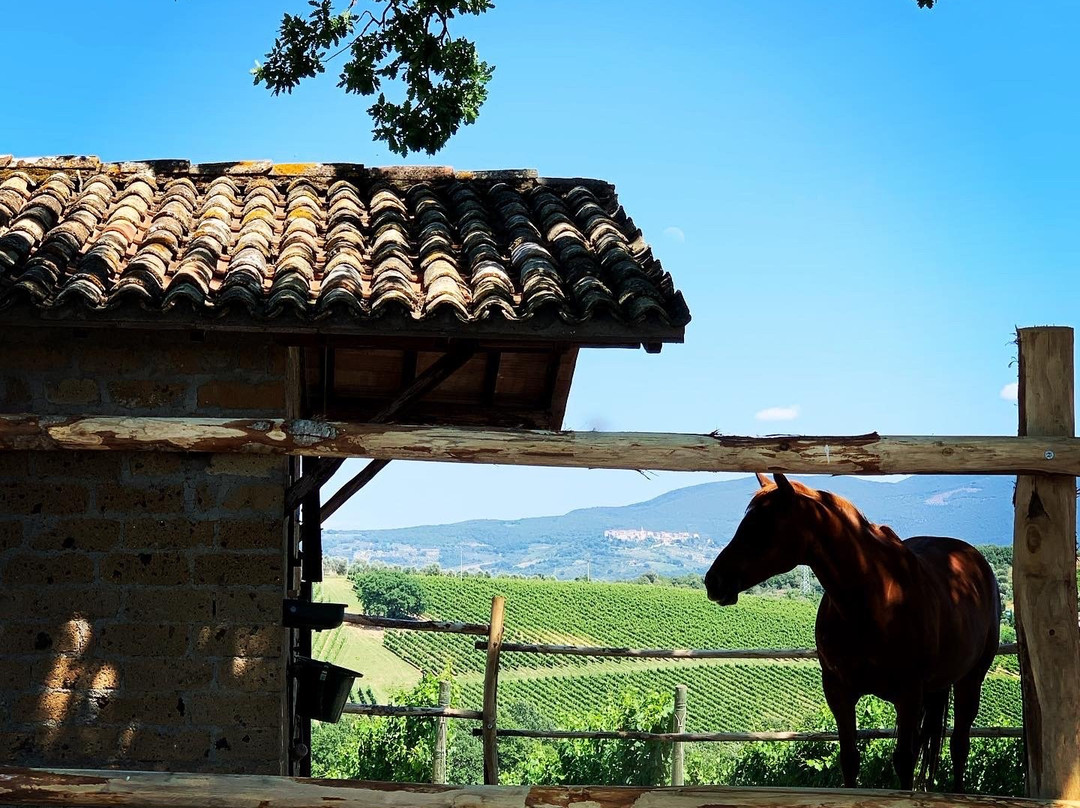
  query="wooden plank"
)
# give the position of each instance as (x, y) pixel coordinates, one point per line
(1044, 573)
(731, 737)
(415, 712)
(343, 494)
(675, 653)
(127, 789)
(489, 729)
(865, 454)
(443, 626)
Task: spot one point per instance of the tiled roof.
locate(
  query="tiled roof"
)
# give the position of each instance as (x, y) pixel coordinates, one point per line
(334, 244)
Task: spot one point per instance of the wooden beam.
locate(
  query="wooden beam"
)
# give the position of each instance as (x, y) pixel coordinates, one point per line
(128, 789)
(675, 653)
(731, 737)
(443, 711)
(1044, 573)
(311, 481)
(863, 454)
(409, 624)
(311, 556)
(417, 387)
(434, 375)
(420, 386)
(343, 494)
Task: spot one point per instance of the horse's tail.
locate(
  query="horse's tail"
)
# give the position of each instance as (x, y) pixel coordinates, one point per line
(931, 734)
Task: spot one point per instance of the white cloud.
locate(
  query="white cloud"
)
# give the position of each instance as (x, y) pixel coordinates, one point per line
(1011, 392)
(675, 234)
(778, 413)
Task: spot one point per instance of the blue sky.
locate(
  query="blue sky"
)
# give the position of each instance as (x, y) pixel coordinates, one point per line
(859, 200)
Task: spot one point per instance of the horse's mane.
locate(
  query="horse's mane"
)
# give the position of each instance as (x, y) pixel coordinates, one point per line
(837, 503)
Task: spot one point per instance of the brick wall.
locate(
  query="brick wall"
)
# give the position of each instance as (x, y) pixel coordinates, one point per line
(140, 593)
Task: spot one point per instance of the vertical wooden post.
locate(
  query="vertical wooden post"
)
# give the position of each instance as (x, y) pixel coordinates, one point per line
(491, 687)
(680, 726)
(438, 772)
(1044, 573)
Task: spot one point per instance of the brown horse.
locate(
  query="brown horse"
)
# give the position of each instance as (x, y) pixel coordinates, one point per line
(905, 621)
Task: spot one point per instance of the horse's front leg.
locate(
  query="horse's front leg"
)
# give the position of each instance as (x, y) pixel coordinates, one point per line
(908, 721)
(842, 701)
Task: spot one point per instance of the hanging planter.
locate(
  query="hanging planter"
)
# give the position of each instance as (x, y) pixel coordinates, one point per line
(322, 689)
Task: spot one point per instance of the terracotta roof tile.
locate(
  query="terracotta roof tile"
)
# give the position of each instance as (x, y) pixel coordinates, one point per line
(320, 242)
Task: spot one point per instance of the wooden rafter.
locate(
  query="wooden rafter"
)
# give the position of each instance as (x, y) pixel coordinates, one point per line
(862, 454)
(343, 494)
(418, 387)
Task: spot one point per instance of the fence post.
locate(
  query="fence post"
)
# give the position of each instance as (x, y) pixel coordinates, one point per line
(491, 686)
(680, 726)
(1044, 572)
(438, 770)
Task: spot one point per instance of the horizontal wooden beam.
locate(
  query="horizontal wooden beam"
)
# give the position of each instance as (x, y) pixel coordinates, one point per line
(677, 653)
(408, 624)
(863, 454)
(121, 789)
(415, 712)
(730, 737)
(658, 653)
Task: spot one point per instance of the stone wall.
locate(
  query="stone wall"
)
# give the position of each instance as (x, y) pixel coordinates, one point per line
(140, 593)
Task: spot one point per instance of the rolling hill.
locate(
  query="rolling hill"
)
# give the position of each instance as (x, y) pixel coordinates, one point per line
(676, 533)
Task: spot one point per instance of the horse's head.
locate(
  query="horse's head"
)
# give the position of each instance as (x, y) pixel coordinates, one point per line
(772, 538)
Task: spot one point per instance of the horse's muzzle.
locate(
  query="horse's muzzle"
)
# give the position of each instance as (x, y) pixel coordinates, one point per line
(724, 598)
(721, 593)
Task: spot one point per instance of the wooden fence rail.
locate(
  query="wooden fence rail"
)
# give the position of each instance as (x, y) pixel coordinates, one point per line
(798, 454)
(730, 737)
(408, 624)
(412, 712)
(679, 653)
(494, 646)
(120, 789)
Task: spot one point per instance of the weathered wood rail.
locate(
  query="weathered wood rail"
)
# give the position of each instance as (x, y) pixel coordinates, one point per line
(413, 712)
(859, 454)
(679, 653)
(120, 789)
(407, 624)
(731, 737)
(494, 646)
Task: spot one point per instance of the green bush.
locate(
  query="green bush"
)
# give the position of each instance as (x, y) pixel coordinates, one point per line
(388, 592)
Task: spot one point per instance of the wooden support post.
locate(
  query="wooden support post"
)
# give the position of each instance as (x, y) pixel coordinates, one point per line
(1044, 573)
(680, 727)
(438, 769)
(491, 687)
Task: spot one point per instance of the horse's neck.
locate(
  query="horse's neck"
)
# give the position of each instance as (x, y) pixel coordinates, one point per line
(862, 569)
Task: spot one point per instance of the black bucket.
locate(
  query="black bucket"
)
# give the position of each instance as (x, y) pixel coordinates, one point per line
(322, 689)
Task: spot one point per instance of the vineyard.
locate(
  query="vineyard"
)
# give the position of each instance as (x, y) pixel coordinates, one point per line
(723, 695)
(578, 613)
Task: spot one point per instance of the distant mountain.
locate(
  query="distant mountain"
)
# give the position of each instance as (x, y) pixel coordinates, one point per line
(678, 532)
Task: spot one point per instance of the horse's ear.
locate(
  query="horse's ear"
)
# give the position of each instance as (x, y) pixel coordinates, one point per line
(763, 480)
(783, 483)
